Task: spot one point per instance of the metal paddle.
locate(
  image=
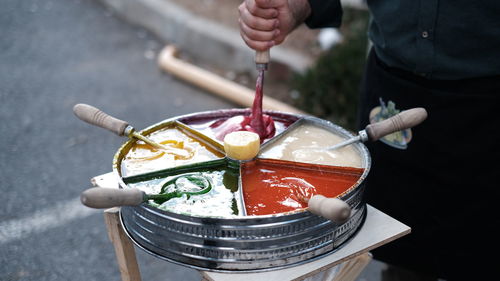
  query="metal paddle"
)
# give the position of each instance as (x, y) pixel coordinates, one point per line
(189, 185)
(401, 121)
(96, 117)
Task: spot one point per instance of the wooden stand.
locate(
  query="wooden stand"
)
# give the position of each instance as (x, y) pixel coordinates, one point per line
(345, 264)
(124, 249)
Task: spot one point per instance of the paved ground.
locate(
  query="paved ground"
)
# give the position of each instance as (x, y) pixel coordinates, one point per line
(54, 54)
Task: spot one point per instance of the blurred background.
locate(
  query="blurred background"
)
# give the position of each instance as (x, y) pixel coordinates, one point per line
(56, 53)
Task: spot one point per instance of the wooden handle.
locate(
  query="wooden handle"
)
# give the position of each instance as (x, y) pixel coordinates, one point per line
(403, 120)
(262, 57)
(333, 209)
(101, 197)
(96, 117)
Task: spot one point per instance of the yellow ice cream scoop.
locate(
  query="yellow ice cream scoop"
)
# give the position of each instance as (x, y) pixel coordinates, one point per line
(242, 145)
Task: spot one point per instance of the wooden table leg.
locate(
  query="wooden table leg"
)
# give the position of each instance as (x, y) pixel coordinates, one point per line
(351, 269)
(124, 249)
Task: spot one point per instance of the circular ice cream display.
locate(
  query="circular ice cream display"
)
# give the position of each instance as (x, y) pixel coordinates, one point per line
(291, 167)
(218, 230)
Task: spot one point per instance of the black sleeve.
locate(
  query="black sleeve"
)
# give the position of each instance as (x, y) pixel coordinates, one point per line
(324, 13)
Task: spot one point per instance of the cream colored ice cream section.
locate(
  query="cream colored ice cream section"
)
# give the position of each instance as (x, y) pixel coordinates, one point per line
(306, 143)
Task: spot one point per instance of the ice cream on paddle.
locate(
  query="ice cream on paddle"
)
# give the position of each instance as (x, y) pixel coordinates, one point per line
(257, 122)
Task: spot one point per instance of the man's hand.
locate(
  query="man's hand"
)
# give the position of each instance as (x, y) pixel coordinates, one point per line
(265, 23)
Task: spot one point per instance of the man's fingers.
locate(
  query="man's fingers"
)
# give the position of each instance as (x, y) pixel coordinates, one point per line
(257, 23)
(267, 13)
(257, 45)
(257, 35)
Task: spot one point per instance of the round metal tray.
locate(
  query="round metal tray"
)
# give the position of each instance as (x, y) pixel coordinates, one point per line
(247, 243)
(271, 259)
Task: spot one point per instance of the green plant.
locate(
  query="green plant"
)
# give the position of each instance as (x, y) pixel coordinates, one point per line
(330, 88)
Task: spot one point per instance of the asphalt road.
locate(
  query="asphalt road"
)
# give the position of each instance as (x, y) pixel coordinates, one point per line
(54, 54)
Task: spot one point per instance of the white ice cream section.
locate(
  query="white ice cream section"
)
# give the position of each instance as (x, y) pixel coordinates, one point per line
(306, 143)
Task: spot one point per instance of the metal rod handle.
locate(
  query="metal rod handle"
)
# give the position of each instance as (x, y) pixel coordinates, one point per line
(344, 143)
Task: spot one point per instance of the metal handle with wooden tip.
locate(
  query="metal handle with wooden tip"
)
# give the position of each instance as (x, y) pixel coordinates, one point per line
(96, 117)
(333, 209)
(401, 121)
(101, 198)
